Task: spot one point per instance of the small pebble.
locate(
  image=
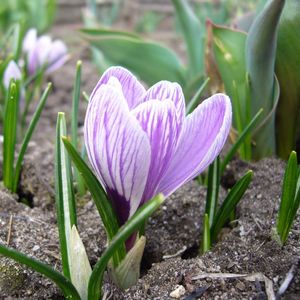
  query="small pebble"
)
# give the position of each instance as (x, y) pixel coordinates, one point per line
(240, 286)
(178, 292)
(35, 248)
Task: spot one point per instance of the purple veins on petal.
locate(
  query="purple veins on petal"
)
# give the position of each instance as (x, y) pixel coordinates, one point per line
(159, 120)
(133, 91)
(140, 143)
(168, 90)
(202, 138)
(118, 148)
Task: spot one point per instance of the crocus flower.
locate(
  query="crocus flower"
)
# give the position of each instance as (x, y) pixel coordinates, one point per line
(140, 142)
(12, 71)
(42, 51)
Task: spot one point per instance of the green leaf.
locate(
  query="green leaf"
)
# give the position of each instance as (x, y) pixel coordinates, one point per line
(28, 135)
(74, 123)
(212, 194)
(206, 242)
(61, 281)
(287, 196)
(227, 46)
(103, 205)
(246, 132)
(110, 32)
(131, 226)
(287, 71)
(10, 133)
(260, 58)
(65, 202)
(230, 202)
(193, 35)
(150, 61)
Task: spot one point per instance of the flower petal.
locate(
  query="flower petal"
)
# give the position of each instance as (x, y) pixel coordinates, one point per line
(203, 136)
(168, 90)
(43, 47)
(12, 71)
(57, 56)
(30, 40)
(133, 91)
(118, 149)
(159, 120)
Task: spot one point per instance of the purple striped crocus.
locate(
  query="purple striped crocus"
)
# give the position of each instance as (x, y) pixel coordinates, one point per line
(43, 52)
(140, 143)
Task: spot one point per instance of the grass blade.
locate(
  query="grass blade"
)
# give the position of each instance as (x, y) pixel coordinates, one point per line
(75, 104)
(74, 124)
(10, 133)
(206, 242)
(245, 133)
(65, 202)
(232, 199)
(195, 100)
(288, 195)
(28, 135)
(132, 225)
(103, 205)
(212, 194)
(61, 281)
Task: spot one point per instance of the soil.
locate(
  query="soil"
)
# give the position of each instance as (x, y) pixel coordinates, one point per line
(171, 264)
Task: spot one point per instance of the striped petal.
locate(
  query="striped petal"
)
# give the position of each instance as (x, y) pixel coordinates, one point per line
(168, 90)
(203, 136)
(118, 149)
(133, 91)
(159, 120)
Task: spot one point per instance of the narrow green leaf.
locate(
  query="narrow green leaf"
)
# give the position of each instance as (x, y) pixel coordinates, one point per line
(131, 226)
(65, 202)
(193, 35)
(103, 205)
(28, 135)
(288, 195)
(10, 133)
(75, 104)
(212, 194)
(206, 242)
(156, 62)
(195, 100)
(74, 123)
(230, 202)
(246, 132)
(61, 281)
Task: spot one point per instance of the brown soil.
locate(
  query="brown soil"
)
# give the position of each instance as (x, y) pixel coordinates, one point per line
(171, 261)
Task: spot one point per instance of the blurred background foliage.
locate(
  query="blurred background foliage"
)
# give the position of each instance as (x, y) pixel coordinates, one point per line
(31, 13)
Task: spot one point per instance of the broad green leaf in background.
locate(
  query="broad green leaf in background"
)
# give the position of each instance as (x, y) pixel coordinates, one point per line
(150, 61)
(260, 61)
(193, 35)
(228, 56)
(288, 73)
